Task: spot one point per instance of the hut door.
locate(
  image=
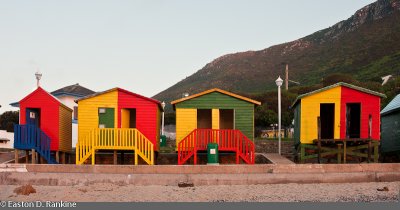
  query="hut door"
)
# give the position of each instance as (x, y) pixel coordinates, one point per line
(33, 117)
(106, 117)
(327, 117)
(204, 118)
(353, 120)
(128, 118)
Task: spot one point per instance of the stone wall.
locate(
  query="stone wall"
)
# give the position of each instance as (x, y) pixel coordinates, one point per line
(271, 146)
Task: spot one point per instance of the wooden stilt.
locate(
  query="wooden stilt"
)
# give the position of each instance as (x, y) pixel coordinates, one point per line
(33, 156)
(42, 161)
(58, 156)
(344, 151)
(302, 153)
(135, 157)
(93, 156)
(16, 156)
(376, 152)
(26, 156)
(115, 157)
(339, 154)
(63, 157)
(369, 150)
(122, 157)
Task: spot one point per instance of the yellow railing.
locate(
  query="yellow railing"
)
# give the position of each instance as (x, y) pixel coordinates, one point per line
(115, 139)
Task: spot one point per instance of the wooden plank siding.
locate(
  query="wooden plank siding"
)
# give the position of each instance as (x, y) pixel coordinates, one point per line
(146, 115)
(65, 129)
(49, 114)
(310, 110)
(215, 118)
(370, 105)
(297, 124)
(244, 111)
(88, 114)
(186, 122)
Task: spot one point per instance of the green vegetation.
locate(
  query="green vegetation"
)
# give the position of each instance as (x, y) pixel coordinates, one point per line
(8, 119)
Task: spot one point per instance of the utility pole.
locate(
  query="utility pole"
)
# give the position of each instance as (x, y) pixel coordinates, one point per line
(287, 77)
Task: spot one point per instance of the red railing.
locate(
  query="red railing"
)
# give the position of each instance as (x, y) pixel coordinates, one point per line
(227, 140)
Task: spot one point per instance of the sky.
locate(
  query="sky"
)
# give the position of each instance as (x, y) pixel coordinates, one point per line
(144, 46)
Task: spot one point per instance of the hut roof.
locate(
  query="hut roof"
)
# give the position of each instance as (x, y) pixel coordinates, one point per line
(122, 90)
(392, 106)
(365, 90)
(51, 96)
(216, 90)
(74, 90)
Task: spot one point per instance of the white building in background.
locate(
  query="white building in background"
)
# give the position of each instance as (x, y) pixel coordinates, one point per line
(6, 139)
(67, 95)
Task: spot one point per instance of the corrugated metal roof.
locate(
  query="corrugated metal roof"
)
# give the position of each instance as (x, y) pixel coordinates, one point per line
(392, 106)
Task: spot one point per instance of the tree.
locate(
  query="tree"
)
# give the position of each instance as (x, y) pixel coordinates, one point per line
(335, 78)
(8, 119)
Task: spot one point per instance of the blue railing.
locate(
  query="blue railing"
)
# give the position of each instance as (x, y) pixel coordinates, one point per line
(31, 137)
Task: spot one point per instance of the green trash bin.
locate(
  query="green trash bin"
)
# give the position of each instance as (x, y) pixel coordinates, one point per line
(212, 153)
(163, 141)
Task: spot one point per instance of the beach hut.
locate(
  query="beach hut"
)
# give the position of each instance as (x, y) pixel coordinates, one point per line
(45, 127)
(337, 115)
(390, 115)
(118, 120)
(215, 116)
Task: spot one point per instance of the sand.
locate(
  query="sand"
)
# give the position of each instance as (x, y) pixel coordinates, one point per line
(359, 192)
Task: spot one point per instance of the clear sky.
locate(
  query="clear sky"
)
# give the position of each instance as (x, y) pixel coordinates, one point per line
(143, 46)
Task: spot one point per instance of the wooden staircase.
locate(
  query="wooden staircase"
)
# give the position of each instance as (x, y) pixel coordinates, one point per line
(27, 137)
(227, 140)
(114, 139)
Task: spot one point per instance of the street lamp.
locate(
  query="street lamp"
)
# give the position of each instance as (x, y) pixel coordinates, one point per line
(279, 83)
(162, 121)
(38, 77)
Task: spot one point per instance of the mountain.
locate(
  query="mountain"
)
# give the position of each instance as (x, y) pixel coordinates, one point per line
(367, 46)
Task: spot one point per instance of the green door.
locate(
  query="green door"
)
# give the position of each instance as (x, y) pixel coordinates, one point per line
(106, 117)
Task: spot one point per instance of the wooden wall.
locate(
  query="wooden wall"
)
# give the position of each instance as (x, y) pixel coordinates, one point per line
(65, 129)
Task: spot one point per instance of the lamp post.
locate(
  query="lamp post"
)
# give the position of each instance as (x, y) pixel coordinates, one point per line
(279, 83)
(38, 77)
(162, 120)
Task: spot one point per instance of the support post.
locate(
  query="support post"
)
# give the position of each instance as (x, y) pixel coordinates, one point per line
(16, 156)
(376, 152)
(344, 150)
(58, 156)
(302, 153)
(41, 159)
(26, 156)
(122, 157)
(115, 157)
(339, 154)
(33, 156)
(93, 156)
(63, 157)
(369, 150)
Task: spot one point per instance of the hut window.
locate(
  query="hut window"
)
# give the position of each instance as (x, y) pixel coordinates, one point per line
(226, 119)
(204, 118)
(75, 113)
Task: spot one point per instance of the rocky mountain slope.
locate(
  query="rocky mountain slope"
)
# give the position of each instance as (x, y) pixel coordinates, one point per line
(366, 45)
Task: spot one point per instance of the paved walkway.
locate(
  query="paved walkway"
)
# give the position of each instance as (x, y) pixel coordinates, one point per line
(276, 158)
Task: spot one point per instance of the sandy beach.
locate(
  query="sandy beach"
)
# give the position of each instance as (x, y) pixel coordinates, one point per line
(347, 192)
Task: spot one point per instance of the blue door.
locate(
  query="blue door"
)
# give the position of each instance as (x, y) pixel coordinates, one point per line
(33, 117)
